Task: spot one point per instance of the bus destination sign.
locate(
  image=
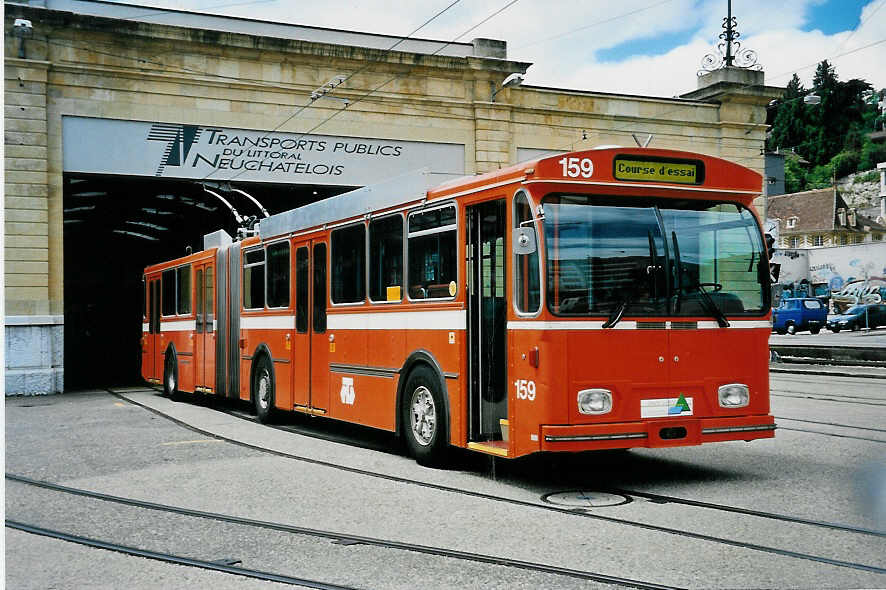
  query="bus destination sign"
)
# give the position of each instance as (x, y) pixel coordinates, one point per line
(655, 170)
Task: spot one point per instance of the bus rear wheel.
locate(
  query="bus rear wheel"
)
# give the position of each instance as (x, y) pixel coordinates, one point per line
(424, 418)
(263, 390)
(170, 377)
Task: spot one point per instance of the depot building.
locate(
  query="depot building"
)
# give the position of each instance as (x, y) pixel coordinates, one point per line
(130, 132)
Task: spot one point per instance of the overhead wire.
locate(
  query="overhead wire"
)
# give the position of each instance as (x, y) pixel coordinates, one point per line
(367, 95)
(594, 24)
(379, 87)
(860, 25)
(745, 87)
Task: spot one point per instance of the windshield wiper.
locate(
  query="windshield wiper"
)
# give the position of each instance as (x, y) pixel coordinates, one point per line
(651, 271)
(711, 305)
(617, 313)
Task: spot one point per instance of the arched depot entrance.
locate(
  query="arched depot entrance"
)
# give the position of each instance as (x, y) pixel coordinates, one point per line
(137, 193)
(114, 226)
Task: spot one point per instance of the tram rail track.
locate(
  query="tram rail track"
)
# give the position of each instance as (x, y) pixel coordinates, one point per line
(513, 501)
(826, 398)
(175, 559)
(344, 538)
(834, 424)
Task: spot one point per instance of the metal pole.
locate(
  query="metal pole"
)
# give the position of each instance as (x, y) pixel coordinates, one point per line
(729, 34)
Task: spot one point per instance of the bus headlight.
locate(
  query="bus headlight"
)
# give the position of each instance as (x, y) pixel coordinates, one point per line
(734, 395)
(594, 401)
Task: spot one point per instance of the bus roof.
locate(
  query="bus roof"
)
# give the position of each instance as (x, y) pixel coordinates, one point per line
(669, 170)
(717, 175)
(400, 190)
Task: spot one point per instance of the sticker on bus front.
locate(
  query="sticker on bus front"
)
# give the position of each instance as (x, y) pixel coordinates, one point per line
(663, 408)
(347, 391)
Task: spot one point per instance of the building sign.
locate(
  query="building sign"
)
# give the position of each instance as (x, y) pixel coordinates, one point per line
(199, 152)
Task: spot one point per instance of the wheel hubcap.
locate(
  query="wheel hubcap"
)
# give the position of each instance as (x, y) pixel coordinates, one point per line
(423, 416)
(264, 390)
(170, 382)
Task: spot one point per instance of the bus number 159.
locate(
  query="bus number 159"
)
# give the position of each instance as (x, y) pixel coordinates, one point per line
(575, 167)
(525, 389)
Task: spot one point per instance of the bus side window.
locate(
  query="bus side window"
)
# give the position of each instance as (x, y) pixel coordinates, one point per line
(278, 275)
(527, 284)
(254, 279)
(301, 290)
(348, 263)
(183, 287)
(386, 259)
(176, 289)
(144, 299)
(320, 288)
(167, 286)
(432, 247)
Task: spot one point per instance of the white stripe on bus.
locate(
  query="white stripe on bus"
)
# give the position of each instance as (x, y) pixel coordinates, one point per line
(268, 322)
(455, 319)
(631, 325)
(179, 326)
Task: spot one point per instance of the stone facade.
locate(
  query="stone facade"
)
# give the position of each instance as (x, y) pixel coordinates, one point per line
(94, 66)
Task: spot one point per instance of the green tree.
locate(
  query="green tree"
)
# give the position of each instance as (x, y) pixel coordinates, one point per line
(842, 106)
(832, 136)
(794, 175)
(871, 154)
(790, 123)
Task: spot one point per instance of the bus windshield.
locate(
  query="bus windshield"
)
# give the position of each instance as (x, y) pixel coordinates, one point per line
(652, 257)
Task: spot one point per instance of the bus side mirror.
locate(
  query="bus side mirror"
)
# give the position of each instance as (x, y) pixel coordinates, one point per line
(770, 245)
(524, 241)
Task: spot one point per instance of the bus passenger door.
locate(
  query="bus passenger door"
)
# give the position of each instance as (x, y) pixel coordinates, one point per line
(487, 320)
(148, 345)
(311, 346)
(155, 356)
(320, 344)
(301, 346)
(204, 338)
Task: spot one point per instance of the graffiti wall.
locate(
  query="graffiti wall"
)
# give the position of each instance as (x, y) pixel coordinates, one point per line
(844, 264)
(843, 275)
(794, 265)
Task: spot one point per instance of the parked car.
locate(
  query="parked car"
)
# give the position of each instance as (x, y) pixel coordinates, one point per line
(799, 314)
(858, 317)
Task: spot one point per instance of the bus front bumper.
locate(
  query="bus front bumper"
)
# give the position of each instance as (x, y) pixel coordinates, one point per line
(656, 433)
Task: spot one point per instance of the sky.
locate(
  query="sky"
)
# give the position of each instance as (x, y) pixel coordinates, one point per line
(643, 47)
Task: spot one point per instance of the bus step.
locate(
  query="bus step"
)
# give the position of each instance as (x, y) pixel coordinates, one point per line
(491, 447)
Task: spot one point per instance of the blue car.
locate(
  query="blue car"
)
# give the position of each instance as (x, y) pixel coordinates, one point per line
(799, 314)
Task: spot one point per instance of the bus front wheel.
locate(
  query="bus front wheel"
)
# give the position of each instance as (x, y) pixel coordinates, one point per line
(424, 417)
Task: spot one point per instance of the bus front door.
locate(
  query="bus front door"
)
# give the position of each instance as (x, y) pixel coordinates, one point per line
(204, 338)
(311, 345)
(487, 320)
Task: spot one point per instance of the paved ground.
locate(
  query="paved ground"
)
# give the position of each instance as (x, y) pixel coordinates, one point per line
(829, 447)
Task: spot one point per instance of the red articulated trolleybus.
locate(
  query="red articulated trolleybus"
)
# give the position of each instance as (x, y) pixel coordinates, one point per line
(602, 299)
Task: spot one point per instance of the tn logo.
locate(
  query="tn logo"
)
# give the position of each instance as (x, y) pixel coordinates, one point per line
(178, 138)
(347, 391)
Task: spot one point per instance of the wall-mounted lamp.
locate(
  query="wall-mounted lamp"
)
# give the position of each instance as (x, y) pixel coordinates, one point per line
(510, 82)
(23, 29)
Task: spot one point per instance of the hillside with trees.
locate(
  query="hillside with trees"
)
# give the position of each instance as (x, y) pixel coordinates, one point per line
(832, 139)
